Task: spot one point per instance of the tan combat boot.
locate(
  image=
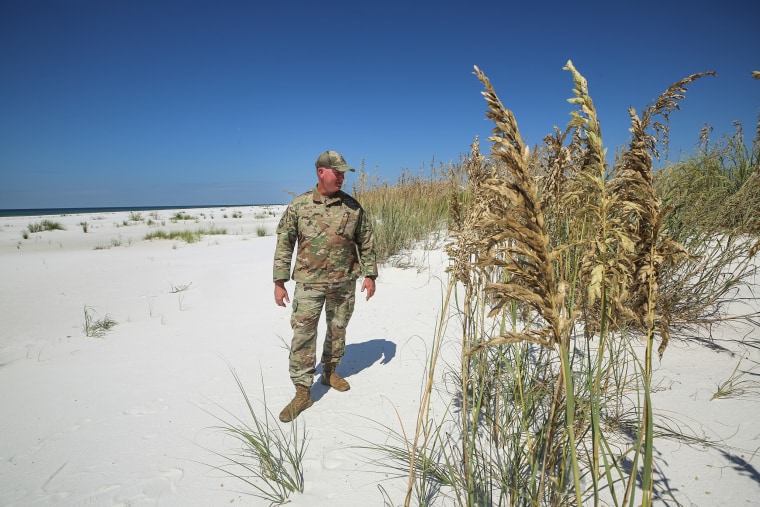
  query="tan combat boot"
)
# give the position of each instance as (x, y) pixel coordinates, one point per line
(298, 404)
(330, 378)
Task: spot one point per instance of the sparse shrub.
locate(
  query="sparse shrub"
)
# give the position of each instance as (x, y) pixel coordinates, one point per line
(188, 236)
(96, 328)
(45, 225)
(85, 226)
(261, 231)
(182, 215)
(115, 242)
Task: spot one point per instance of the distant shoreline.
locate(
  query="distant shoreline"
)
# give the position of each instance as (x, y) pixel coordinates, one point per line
(110, 209)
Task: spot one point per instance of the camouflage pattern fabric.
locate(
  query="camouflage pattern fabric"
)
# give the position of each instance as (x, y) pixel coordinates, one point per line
(334, 237)
(308, 300)
(335, 245)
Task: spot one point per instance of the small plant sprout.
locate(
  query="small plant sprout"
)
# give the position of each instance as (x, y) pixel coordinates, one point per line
(150, 307)
(736, 386)
(180, 291)
(96, 328)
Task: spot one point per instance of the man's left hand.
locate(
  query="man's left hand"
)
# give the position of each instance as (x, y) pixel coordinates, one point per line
(369, 286)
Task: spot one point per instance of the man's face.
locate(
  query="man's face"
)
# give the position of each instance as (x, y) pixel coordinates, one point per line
(330, 180)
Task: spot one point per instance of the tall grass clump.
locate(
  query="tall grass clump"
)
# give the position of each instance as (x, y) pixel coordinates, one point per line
(183, 216)
(713, 197)
(717, 188)
(412, 212)
(266, 458)
(45, 225)
(563, 272)
(135, 216)
(187, 235)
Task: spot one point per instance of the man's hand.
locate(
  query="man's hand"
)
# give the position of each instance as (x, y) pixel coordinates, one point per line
(369, 286)
(280, 293)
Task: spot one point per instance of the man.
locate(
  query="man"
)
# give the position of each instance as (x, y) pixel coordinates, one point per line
(335, 247)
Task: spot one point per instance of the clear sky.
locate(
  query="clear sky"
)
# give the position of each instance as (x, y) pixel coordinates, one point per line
(193, 102)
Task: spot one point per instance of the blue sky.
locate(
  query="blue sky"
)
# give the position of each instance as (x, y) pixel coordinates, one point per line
(141, 103)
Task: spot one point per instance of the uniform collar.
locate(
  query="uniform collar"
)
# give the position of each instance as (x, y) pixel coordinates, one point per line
(317, 197)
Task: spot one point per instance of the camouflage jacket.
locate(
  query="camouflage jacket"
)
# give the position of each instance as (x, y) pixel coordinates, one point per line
(334, 236)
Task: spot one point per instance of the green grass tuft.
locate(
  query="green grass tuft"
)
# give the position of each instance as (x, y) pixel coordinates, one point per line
(96, 328)
(45, 225)
(188, 236)
(269, 459)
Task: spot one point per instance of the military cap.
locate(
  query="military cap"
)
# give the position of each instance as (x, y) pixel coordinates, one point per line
(333, 160)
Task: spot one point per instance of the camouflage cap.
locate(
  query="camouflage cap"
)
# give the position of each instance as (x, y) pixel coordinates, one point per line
(334, 160)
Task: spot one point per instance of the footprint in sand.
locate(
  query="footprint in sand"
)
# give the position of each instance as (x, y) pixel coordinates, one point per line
(43, 442)
(331, 460)
(164, 485)
(152, 407)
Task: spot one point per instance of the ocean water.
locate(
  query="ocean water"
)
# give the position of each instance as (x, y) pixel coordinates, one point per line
(75, 211)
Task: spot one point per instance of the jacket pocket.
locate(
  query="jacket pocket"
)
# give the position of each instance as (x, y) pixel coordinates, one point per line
(348, 224)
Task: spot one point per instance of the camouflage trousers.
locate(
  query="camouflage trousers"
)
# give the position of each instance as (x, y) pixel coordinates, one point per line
(308, 301)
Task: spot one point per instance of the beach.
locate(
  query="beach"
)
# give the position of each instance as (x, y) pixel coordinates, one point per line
(130, 416)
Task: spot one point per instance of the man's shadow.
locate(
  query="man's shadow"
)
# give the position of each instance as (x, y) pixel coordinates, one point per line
(358, 357)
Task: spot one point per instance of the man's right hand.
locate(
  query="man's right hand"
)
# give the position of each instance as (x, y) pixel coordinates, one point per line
(280, 293)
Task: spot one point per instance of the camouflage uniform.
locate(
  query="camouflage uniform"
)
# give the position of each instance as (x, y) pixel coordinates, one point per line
(335, 247)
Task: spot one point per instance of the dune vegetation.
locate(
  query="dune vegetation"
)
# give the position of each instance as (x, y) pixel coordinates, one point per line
(187, 235)
(569, 275)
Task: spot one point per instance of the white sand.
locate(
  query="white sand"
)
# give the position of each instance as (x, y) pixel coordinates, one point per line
(122, 419)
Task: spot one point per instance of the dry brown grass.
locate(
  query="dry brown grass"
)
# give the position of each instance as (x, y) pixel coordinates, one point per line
(409, 213)
(556, 250)
(563, 260)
